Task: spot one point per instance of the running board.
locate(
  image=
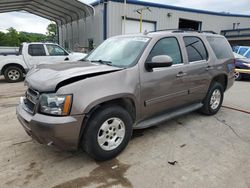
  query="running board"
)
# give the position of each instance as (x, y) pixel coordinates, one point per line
(167, 116)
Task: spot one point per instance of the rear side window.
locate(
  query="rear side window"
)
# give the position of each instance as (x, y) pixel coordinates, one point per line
(220, 47)
(196, 50)
(167, 46)
(36, 50)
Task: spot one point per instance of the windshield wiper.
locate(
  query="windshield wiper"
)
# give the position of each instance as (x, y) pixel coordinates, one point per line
(102, 62)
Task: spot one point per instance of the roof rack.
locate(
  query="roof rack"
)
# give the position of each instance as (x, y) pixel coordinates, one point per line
(183, 30)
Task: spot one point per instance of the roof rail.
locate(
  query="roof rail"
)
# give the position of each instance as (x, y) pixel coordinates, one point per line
(183, 30)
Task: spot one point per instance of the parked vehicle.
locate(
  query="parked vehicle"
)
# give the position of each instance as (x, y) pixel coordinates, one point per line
(242, 50)
(15, 66)
(241, 62)
(128, 82)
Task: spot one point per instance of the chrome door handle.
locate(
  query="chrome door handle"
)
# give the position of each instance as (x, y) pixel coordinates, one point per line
(180, 74)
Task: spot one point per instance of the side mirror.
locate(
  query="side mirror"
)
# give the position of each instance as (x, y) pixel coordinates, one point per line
(159, 61)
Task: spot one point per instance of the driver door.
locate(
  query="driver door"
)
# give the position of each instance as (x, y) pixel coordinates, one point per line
(164, 88)
(56, 53)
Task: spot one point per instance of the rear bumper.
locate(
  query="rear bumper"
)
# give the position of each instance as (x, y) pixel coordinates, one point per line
(63, 132)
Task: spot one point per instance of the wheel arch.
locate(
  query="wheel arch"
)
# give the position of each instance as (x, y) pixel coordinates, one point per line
(222, 79)
(126, 102)
(10, 65)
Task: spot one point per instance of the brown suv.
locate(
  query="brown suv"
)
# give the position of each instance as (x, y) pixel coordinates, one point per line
(128, 82)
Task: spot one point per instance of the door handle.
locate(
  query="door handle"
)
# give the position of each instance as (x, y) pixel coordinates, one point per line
(209, 68)
(180, 74)
(66, 59)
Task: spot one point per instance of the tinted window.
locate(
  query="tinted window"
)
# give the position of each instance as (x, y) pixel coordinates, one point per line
(167, 46)
(196, 50)
(36, 50)
(220, 47)
(55, 50)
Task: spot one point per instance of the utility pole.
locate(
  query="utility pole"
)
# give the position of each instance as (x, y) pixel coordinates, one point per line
(140, 12)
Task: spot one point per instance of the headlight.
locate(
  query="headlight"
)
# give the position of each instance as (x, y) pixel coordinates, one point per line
(53, 104)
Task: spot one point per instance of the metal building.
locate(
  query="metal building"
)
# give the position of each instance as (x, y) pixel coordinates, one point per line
(63, 12)
(109, 21)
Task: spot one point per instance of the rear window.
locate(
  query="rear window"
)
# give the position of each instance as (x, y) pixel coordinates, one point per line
(36, 50)
(196, 50)
(220, 47)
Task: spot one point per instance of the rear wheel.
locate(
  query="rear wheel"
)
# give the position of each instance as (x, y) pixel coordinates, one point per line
(213, 100)
(13, 74)
(107, 133)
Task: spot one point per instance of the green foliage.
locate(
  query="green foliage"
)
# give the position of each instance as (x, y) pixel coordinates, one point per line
(14, 38)
(51, 32)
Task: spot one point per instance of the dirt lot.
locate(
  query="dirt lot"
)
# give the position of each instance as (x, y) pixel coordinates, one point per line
(210, 152)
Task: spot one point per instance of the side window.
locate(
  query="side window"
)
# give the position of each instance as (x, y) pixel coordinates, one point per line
(196, 50)
(36, 50)
(220, 47)
(55, 50)
(167, 46)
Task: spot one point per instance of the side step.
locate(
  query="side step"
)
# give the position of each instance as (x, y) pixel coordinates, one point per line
(167, 116)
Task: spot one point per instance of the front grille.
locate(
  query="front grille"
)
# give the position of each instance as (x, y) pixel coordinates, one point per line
(31, 100)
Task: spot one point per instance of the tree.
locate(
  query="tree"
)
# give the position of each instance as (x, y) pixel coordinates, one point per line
(2, 37)
(11, 38)
(51, 32)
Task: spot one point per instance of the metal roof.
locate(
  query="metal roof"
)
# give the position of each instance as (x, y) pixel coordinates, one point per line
(60, 11)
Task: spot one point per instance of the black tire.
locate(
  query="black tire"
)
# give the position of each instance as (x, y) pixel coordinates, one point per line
(237, 76)
(207, 108)
(93, 130)
(13, 74)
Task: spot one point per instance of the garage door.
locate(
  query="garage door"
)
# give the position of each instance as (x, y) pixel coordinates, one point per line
(133, 26)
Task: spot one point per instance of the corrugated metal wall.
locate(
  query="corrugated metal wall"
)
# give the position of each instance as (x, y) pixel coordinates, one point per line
(92, 27)
(160, 15)
(77, 34)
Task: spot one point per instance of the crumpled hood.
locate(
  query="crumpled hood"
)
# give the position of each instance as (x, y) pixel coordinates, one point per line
(46, 77)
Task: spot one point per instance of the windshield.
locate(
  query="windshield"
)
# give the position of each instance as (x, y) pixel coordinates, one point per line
(238, 56)
(119, 51)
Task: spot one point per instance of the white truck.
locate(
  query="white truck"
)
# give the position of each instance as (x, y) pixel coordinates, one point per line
(15, 66)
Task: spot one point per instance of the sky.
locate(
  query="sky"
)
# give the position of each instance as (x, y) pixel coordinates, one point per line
(30, 23)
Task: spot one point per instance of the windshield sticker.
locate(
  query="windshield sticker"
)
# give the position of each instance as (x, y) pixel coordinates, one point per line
(141, 39)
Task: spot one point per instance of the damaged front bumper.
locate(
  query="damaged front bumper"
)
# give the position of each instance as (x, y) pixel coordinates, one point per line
(63, 132)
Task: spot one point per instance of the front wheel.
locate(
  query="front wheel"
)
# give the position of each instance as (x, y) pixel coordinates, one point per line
(213, 100)
(237, 76)
(107, 133)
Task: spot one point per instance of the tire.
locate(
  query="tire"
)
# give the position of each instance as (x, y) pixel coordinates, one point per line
(237, 76)
(13, 74)
(216, 94)
(98, 134)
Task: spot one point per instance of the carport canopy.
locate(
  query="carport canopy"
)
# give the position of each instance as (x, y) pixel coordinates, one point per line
(60, 11)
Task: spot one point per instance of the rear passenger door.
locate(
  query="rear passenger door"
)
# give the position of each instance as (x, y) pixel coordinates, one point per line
(198, 78)
(36, 54)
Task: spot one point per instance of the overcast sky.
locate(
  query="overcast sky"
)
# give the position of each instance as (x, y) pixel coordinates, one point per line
(31, 23)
